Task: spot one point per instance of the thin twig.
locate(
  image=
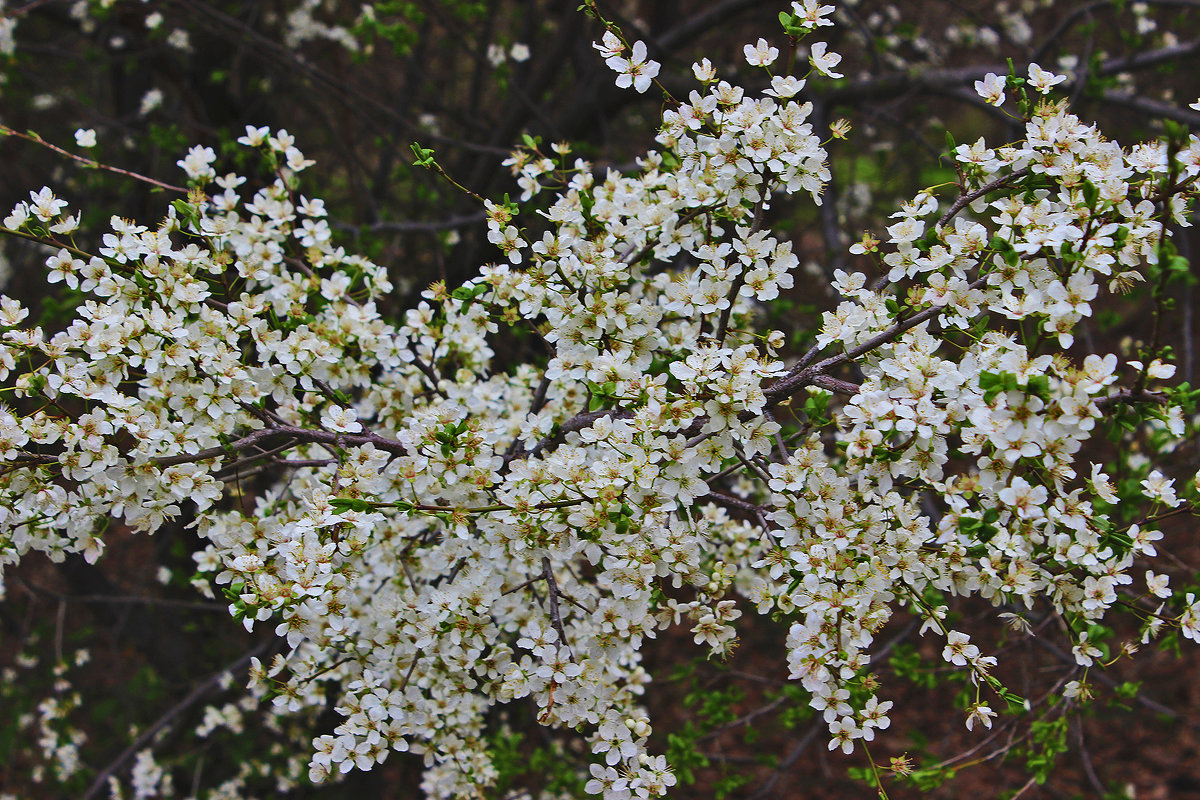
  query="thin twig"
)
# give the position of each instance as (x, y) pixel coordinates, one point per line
(1131, 396)
(463, 221)
(91, 162)
(183, 705)
(729, 501)
(1140, 698)
(1089, 768)
(521, 586)
(119, 600)
(779, 443)
(765, 790)
(745, 718)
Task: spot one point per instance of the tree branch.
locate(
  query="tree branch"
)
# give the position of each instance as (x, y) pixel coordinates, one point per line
(179, 708)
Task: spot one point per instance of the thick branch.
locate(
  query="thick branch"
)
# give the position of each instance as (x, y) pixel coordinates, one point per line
(300, 435)
(941, 79)
(799, 378)
(297, 436)
(970, 197)
(1131, 396)
(585, 419)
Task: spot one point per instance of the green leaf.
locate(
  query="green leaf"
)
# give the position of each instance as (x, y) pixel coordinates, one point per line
(1039, 385)
(470, 293)
(341, 504)
(1014, 700)
(424, 156)
(992, 385)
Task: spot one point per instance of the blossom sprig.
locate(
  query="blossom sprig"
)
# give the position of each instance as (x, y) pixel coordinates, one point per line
(89, 162)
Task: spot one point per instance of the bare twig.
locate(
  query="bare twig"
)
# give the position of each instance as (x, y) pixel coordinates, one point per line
(521, 586)
(737, 503)
(176, 710)
(300, 435)
(461, 221)
(1089, 768)
(745, 718)
(119, 599)
(91, 162)
(1131, 396)
(1151, 107)
(779, 443)
(768, 787)
(1141, 699)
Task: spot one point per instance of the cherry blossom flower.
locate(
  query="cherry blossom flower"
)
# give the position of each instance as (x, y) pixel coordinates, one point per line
(823, 61)
(761, 54)
(959, 651)
(1042, 80)
(1085, 652)
(43, 205)
(637, 71)
(813, 13)
(1158, 585)
(980, 712)
(785, 86)
(991, 89)
(197, 163)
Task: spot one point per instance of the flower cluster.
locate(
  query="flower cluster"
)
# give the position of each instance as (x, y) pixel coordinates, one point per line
(449, 532)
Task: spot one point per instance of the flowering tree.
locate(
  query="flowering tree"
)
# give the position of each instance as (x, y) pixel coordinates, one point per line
(436, 533)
